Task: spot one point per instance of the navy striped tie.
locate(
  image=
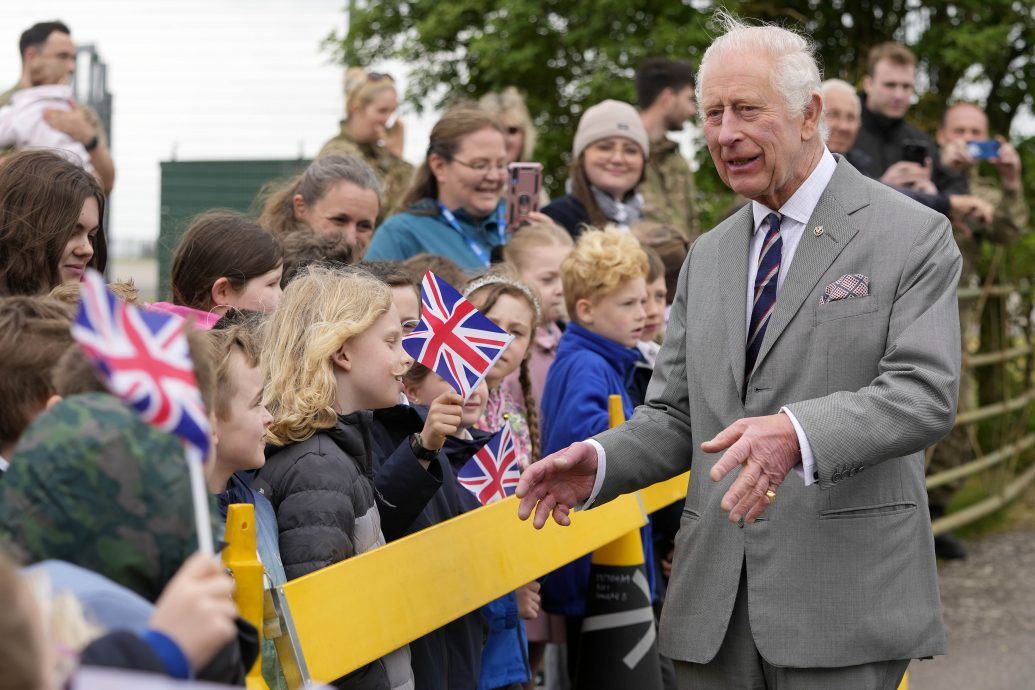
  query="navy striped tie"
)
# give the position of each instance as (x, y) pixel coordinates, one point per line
(765, 291)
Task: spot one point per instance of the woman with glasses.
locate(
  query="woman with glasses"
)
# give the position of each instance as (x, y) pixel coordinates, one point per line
(454, 208)
(370, 102)
(610, 154)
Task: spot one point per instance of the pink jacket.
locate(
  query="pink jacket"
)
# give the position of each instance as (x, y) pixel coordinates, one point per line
(544, 350)
(203, 320)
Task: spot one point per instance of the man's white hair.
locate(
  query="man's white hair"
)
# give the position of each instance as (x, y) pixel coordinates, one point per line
(795, 73)
(842, 86)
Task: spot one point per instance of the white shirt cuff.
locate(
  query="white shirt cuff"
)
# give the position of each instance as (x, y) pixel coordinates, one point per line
(806, 469)
(599, 481)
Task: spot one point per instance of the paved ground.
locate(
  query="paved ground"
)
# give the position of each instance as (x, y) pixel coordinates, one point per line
(989, 602)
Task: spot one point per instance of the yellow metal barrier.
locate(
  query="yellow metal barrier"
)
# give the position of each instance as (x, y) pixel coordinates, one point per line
(241, 557)
(356, 611)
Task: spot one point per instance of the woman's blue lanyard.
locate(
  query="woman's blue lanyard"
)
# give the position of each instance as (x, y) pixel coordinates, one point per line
(478, 249)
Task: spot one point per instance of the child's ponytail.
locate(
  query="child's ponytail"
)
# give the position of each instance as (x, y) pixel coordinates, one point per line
(531, 411)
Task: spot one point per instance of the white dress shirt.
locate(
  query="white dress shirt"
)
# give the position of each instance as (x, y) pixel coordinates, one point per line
(795, 213)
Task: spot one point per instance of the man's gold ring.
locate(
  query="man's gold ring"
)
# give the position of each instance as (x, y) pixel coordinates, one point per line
(770, 496)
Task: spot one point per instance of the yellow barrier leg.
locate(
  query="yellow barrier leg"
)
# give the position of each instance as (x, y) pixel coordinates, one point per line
(904, 685)
(241, 558)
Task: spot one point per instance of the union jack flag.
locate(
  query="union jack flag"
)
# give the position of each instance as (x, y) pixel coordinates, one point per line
(493, 473)
(454, 339)
(143, 358)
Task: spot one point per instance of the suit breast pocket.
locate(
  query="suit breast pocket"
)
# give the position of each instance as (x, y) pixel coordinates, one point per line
(854, 334)
(845, 308)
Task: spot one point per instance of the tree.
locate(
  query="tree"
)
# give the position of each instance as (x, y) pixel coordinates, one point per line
(566, 55)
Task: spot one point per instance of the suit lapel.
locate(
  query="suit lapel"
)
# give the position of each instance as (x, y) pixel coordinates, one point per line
(815, 253)
(733, 266)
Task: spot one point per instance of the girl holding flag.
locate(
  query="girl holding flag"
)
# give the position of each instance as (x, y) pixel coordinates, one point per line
(333, 352)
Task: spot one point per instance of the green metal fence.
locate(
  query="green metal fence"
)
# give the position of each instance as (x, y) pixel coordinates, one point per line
(192, 187)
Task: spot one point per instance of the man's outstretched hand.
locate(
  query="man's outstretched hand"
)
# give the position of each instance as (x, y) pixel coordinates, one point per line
(556, 483)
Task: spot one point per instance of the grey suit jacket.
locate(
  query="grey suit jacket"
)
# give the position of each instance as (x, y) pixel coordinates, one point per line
(843, 572)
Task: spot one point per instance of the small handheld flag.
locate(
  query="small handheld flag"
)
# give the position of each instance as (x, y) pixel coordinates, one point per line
(143, 358)
(454, 339)
(493, 473)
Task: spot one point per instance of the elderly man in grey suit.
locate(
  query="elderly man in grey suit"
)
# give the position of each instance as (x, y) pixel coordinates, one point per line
(813, 347)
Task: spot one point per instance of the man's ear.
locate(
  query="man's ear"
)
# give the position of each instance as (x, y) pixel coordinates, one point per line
(867, 84)
(584, 311)
(812, 116)
(51, 401)
(342, 358)
(299, 206)
(665, 98)
(221, 292)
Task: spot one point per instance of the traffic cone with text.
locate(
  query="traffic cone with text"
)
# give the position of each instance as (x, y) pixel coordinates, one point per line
(619, 647)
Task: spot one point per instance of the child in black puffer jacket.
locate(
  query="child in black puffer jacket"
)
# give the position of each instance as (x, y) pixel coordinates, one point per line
(333, 352)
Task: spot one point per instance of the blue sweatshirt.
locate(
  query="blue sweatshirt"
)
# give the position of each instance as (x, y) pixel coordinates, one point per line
(407, 234)
(588, 369)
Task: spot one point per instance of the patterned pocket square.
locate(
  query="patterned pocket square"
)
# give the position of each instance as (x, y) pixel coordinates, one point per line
(847, 286)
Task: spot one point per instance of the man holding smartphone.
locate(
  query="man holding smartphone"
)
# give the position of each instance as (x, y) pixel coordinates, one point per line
(903, 155)
(964, 140)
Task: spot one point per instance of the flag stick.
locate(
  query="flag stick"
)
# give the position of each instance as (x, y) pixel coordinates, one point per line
(199, 492)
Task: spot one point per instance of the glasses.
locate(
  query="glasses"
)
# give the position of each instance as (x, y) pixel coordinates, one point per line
(378, 76)
(484, 167)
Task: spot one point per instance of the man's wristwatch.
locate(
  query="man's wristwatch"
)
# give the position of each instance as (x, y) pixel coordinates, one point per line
(420, 451)
(92, 144)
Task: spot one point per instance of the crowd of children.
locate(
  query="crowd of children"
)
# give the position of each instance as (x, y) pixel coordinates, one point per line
(320, 419)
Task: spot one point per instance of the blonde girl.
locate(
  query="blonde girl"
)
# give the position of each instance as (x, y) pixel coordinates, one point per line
(371, 100)
(332, 351)
(514, 307)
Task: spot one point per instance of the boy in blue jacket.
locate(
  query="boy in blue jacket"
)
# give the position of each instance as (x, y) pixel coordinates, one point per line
(605, 290)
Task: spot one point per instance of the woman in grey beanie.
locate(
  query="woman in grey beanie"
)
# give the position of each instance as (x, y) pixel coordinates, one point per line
(610, 155)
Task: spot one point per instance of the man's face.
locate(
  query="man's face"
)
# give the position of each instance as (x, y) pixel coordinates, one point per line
(760, 150)
(683, 108)
(889, 91)
(842, 112)
(58, 49)
(963, 123)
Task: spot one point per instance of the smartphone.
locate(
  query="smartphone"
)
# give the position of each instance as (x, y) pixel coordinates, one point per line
(914, 153)
(526, 181)
(983, 150)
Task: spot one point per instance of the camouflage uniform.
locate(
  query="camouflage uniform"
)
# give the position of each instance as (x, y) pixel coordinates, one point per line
(396, 174)
(1010, 222)
(92, 484)
(668, 190)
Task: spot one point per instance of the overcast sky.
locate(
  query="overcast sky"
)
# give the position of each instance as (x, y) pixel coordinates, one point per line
(206, 79)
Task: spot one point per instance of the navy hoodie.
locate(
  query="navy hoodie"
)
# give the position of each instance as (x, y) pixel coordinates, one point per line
(588, 369)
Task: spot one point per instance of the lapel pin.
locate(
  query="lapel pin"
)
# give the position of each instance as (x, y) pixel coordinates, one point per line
(818, 230)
